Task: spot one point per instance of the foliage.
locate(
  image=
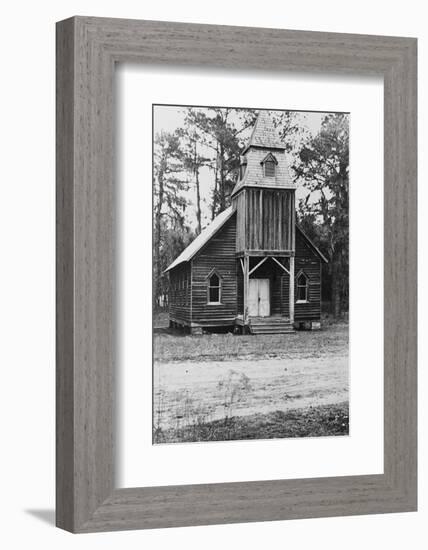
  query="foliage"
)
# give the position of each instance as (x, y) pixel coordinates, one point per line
(323, 168)
(192, 161)
(211, 138)
(289, 129)
(220, 131)
(169, 203)
(233, 388)
(173, 345)
(319, 421)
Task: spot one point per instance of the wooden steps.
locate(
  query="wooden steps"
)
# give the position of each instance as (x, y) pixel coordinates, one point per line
(270, 325)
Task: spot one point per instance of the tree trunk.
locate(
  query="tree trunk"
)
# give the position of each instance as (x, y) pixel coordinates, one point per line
(222, 183)
(157, 243)
(198, 203)
(214, 203)
(335, 288)
(198, 192)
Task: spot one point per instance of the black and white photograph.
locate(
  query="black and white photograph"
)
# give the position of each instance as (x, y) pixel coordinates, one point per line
(250, 274)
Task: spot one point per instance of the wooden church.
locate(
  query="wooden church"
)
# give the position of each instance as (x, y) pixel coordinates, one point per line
(252, 268)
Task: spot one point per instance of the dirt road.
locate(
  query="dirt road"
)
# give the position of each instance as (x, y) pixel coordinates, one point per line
(185, 391)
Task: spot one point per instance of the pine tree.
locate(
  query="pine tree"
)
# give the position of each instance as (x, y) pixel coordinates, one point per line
(169, 187)
(324, 170)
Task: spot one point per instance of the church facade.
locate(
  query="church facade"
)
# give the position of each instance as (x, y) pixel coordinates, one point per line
(252, 268)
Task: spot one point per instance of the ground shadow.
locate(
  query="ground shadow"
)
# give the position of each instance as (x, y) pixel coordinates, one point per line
(171, 331)
(167, 330)
(43, 514)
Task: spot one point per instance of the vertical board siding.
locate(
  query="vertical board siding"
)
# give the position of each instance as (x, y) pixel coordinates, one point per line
(308, 261)
(239, 204)
(218, 254)
(264, 219)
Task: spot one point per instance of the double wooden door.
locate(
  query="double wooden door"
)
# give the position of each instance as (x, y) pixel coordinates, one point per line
(259, 298)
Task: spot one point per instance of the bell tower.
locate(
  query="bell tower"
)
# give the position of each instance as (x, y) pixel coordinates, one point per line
(264, 200)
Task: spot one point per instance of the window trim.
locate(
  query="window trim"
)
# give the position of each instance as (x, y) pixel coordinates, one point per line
(209, 286)
(269, 158)
(265, 165)
(299, 274)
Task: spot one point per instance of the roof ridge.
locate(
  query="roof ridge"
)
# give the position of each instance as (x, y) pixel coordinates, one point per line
(204, 236)
(264, 133)
(311, 242)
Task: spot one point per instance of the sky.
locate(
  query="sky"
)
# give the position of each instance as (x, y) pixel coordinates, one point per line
(169, 118)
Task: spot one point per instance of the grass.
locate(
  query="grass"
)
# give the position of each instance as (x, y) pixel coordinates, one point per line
(284, 374)
(171, 345)
(320, 421)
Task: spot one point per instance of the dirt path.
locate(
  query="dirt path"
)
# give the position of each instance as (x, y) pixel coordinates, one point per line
(185, 391)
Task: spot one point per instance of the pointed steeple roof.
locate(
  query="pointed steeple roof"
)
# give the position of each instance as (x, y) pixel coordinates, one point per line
(264, 133)
(264, 144)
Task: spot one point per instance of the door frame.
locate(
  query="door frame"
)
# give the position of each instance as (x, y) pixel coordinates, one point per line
(252, 280)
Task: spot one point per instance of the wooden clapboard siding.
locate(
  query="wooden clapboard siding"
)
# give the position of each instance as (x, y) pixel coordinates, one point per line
(265, 219)
(180, 293)
(308, 261)
(285, 296)
(218, 254)
(275, 294)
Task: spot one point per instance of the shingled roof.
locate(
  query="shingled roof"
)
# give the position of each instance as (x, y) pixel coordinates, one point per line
(202, 238)
(264, 139)
(264, 133)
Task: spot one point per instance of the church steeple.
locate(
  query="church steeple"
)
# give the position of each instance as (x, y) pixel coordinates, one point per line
(264, 201)
(263, 161)
(264, 195)
(264, 133)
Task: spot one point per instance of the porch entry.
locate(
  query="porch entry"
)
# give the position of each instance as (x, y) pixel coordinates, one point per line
(259, 298)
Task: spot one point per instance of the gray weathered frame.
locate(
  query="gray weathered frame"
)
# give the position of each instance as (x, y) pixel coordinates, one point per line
(87, 50)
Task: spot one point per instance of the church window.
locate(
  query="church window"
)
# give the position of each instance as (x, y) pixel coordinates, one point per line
(214, 289)
(302, 287)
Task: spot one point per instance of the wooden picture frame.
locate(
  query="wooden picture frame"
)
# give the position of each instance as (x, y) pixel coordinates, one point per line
(87, 50)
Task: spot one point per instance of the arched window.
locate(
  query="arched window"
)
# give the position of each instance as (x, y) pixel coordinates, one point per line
(302, 288)
(269, 166)
(270, 169)
(214, 288)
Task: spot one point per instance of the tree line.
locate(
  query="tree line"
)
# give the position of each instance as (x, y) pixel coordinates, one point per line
(212, 139)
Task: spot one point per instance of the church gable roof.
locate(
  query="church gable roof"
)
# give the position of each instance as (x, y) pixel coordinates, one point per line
(202, 239)
(311, 244)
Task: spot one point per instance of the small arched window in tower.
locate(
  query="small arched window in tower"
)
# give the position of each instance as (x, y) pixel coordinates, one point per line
(214, 288)
(269, 166)
(302, 287)
(270, 169)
